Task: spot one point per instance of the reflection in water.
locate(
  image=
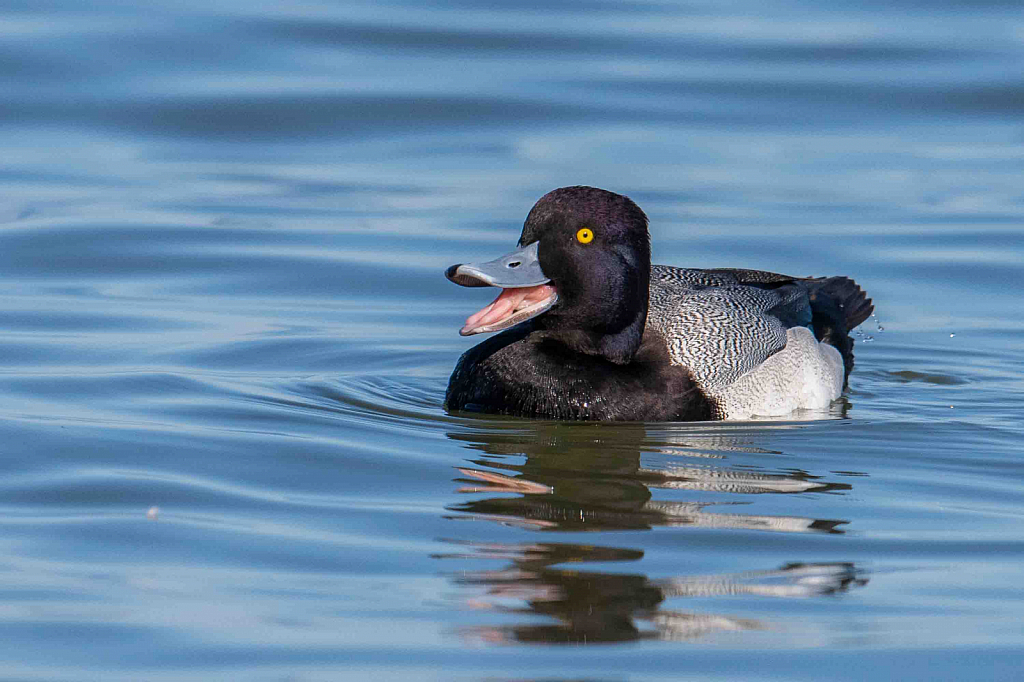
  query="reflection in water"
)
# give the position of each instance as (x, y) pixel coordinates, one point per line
(592, 479)
(595, 607)
(589, 477)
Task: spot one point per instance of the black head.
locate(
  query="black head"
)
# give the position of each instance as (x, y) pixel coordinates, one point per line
(595, 248)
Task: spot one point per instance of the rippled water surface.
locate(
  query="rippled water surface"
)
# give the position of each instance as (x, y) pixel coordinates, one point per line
(225, 337)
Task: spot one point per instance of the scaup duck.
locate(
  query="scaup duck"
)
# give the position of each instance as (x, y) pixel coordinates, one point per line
(593, 331)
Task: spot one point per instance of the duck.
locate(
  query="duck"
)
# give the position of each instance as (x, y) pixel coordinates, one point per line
(590, 330)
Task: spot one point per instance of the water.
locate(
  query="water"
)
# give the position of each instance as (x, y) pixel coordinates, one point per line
(226, 337)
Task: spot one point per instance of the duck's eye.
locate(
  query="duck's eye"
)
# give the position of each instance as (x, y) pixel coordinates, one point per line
(585, 235)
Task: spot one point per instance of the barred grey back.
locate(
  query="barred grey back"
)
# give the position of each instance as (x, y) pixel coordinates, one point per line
(717, 324)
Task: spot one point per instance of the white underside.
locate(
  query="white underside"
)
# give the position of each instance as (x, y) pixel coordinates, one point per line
(805, 375)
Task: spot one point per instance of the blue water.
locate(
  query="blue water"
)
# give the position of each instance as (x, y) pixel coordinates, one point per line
(225, 337)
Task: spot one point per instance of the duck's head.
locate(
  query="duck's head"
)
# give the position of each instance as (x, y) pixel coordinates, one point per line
(582, 270)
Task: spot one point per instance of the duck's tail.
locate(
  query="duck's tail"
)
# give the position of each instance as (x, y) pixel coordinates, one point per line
(838, 305)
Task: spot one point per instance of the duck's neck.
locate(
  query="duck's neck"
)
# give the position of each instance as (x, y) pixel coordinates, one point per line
(622, 346)
(615, 336)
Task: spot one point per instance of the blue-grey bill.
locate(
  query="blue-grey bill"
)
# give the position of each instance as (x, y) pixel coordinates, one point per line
(515, 270)
(525, 289)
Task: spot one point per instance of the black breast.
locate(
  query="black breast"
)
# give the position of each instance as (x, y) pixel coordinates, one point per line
(522, 372)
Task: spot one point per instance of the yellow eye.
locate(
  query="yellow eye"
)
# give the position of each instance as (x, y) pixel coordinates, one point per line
(585, 235)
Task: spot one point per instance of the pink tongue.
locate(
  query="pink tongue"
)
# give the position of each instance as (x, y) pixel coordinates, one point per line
(508, 301)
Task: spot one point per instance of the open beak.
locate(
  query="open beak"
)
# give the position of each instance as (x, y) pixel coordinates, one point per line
(525, 291)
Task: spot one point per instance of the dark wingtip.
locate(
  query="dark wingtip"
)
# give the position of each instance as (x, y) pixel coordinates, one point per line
(857, 306)
(854, 305)
(838, 305)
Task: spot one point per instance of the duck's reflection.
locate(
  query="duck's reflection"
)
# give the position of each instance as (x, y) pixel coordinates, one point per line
(569, 477)
(591, 606)
(577, 480)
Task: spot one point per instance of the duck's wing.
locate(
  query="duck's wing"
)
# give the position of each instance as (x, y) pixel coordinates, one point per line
(721, 324)
(716, 277)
